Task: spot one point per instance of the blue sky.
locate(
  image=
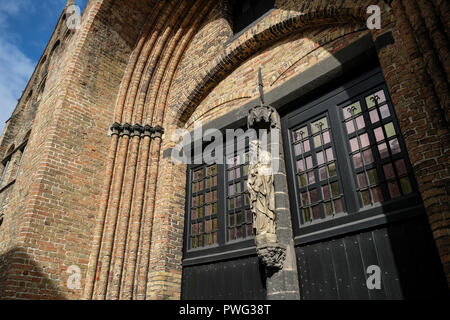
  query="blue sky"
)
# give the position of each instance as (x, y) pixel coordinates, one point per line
(25, 28)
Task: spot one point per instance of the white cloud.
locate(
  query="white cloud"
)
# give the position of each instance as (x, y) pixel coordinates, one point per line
(15, 67)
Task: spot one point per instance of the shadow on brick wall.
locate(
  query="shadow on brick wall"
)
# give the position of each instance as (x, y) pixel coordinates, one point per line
(21, 278)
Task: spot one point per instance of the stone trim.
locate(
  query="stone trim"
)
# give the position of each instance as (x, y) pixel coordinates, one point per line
(136, 130)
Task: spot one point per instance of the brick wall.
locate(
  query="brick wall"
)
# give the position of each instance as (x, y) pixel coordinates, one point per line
(112, 204)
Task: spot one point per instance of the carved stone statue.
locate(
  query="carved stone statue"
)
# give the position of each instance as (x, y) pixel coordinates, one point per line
(261, 187)
(262, 192)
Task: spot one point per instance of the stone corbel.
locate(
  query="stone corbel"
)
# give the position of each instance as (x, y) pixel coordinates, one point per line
(158, 132)
(136, 130)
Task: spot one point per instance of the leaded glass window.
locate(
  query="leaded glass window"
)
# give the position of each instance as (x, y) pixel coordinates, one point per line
(204, 208)
(240, 218)
(347, 156)
(379, 161)
(316, 168)
(218, 202)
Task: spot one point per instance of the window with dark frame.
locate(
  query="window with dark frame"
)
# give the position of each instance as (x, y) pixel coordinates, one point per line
(218, 205)
(375, 158)
(245, 12)
(12, 166)
(317, 175)
(5, 163)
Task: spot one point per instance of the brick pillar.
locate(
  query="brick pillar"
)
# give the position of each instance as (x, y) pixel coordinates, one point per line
(422, 119)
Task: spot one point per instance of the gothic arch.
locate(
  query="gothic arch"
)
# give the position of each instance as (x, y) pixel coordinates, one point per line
(272, 29)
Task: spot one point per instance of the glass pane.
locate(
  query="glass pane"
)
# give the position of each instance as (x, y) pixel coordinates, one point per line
(307, 146)
(309, 163)
(350, 127)
(366, 199)
(352, 110)
(231, 204)
(374, 118)
(314, 196)
(354, 144)
(231, 175)
(323, 173)
(311, 177)
(375, 99)
(194, 214)
(239, 232)
(320, 158)
(389, 171)
(200, 212)
(379, 134)
(249, 216)
(238, 188)
(198, 175)
(239, 202)
(364, 141)
(368, 157)
(406, 185)
(383, 149)
(239, 219)
(373, 176)
(231, 190)
(329, 208)
(237, 173)
(362, 180)
(330, 156)
(211, 171)
(317, 141)
(394, 190)
(401, 167)
(232, 220)
(338, 207)
(300, 134)
(390, 130)
(384, 110)
(326, 137)
(377, 195)
(319, 125)
(307, 214)
(249, 230)
(395, 146)
(360, 123)
(316, 212)
(305, 199)
(326, 192)
(332, 170)
(336, 190)
(301, 165)
(298, 149)
(302, 180)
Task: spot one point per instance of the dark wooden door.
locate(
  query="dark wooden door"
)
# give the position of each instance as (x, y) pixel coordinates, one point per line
(354, 199)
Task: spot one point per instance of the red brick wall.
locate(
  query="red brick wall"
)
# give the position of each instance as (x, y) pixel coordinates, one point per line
(112, 205)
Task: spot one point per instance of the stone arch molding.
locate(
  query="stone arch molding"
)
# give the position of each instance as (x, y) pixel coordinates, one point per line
(279, 24)
(128, 253)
